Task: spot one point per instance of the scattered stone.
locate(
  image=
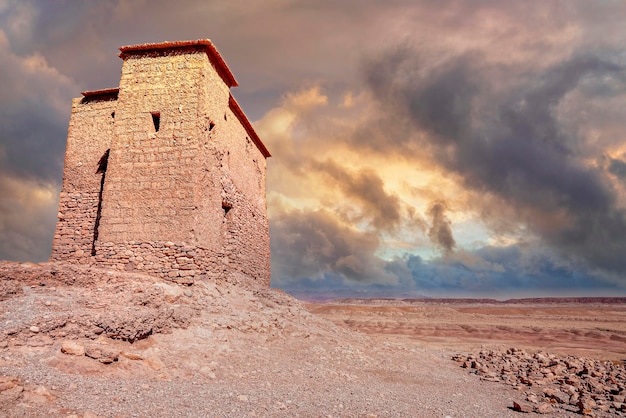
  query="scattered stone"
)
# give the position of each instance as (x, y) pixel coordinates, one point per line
(13, 393)
(43, 392)
(523, 407)
(585, 406)
(207, 371)
(39, 341)
(73, 348)
(104, 355)
(34, 329)
(8, 382)
(131, 356)
(544, 408)
(532, 398)
(552, 382)
(556, 395)
(188, 280)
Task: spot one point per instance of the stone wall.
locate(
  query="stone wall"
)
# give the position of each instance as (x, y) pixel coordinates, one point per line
(149, 193)
(183, 197)
(90, 134)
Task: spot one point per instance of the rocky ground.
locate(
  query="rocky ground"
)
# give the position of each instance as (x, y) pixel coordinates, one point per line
(551, 382)
(83, 342)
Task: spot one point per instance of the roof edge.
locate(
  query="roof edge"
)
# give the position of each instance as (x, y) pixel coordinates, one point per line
(236, 109)
(101, 92)
(214, 56)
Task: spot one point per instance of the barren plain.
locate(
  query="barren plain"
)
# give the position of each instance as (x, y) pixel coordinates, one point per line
(592, 327)
(83, 342)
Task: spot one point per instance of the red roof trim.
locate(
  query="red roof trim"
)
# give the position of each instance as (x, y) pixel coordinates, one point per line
(236, 109)
(206, 44)
(101, 92)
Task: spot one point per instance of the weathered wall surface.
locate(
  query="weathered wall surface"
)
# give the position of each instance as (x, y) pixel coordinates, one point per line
(245, 229)
(231, 190)
(187, 200)
(89, 136)
(149, 191)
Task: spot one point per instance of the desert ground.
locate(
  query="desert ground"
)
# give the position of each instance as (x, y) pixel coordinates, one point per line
(81, 342)
(592, 327)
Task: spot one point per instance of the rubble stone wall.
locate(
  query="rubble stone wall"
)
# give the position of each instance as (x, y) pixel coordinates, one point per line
(90, 135)
(245, 229)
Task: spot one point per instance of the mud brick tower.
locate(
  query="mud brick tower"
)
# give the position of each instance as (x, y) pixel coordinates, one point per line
(165, 175)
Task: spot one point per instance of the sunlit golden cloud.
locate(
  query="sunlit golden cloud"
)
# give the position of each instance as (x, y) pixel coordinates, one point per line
(508, 115)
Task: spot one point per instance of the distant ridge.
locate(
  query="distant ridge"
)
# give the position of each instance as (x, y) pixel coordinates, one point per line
(521, 301)
(595, 299)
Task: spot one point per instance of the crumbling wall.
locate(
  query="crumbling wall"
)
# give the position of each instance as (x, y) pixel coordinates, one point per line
(90, 135)
(244, 228)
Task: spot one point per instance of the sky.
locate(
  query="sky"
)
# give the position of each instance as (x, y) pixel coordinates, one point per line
(440, 148)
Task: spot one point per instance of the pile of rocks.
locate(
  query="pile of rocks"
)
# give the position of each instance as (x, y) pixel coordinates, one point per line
(550, 382)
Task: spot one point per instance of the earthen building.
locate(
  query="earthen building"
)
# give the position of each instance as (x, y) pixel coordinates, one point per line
(165, 174)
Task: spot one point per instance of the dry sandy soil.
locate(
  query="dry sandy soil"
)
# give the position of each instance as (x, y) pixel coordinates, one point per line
(583, 327)
(83, 342)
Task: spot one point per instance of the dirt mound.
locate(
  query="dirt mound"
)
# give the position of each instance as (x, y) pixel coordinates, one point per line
(64, 301)
(85, 342)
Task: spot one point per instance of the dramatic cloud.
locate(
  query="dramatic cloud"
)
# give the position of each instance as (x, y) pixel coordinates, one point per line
(511, 142)
(367, 188)
(440, 232)
(33, 120)
(28, 211)
(617, 167)
(511, 113)
(310, 245)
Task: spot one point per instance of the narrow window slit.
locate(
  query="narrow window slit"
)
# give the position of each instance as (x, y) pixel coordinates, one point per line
(156, 120)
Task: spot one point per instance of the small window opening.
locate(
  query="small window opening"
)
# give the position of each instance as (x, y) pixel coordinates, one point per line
(113, 115)
(156, 121)
(211, 126)
(226, 207)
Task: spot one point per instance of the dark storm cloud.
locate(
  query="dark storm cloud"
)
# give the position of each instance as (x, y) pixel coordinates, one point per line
(500, 272)
(35, 105)
(367, 188)
(27, 215)
(482, 96)
(33, 139)
(311, 251)
(617, 167)
(440, 232)
(525, 271)
(510, 141)
(275, 47)
(310, 244)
